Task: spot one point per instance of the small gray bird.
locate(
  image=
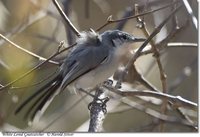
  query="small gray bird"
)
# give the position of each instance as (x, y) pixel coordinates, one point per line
(94, 59)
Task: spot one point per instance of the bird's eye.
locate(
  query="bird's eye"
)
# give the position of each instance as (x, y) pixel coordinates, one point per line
(124, 37)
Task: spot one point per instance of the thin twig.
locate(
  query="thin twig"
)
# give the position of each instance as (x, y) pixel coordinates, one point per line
(163, 76)
(153, 113)
(177, 81)
(182, 44)
(69, 32)
(66, 19)
(174, 101)
(175, 30)
(177, 100)
(189, 10)
(137, 53)
(155, 50)
(110, 20)
(26, 51)
(36, 67)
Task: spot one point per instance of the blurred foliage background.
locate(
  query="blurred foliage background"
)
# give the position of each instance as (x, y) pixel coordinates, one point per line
(36, 25)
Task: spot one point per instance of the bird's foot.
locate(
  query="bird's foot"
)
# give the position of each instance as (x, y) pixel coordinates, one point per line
(99, 102)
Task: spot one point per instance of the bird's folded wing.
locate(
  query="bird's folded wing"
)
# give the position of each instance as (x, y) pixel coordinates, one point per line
(81, 63)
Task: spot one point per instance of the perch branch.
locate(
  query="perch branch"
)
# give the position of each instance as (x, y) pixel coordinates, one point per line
(97, 111)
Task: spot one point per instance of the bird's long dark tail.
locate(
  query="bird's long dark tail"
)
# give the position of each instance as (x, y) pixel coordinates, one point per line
(44, 97)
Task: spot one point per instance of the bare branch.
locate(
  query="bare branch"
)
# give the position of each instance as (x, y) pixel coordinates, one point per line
(178, 44)
(110, 20)
(97, 111)
(66, 19)
(26, 51)
(36, 67)
(189, 10)
(163, 76)
(69, 32)
(153, 113)
(177, 100)
(137, 54)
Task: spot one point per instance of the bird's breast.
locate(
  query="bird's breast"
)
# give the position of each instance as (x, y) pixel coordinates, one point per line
(98, 74)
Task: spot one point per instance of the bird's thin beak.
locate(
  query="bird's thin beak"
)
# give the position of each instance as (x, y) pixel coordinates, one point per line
(135, 39)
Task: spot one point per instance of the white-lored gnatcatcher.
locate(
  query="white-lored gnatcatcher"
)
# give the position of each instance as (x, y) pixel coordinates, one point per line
(94, 59)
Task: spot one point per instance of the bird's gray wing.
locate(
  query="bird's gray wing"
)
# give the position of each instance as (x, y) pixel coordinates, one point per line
(81, 61)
